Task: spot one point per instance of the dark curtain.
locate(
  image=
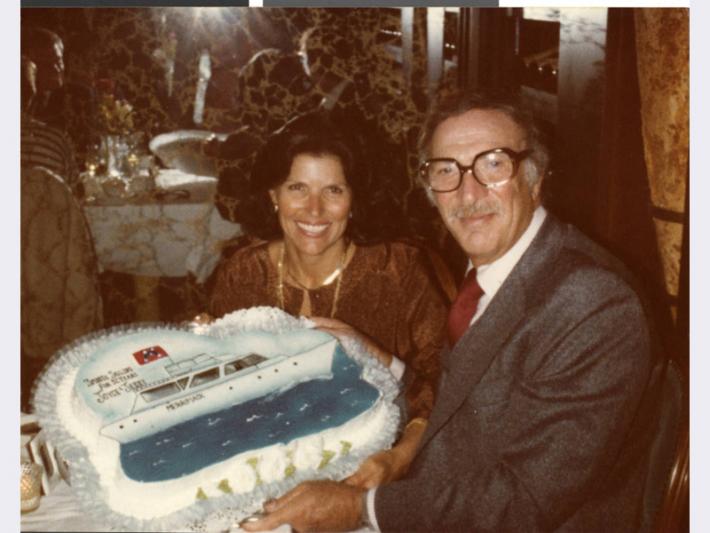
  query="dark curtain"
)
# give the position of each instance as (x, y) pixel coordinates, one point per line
(623, 206)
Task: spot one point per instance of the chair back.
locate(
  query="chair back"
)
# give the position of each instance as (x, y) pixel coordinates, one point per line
(60, 294)
(668, 447)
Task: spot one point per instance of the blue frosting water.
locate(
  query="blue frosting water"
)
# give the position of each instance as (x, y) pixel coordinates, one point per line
(304, 409)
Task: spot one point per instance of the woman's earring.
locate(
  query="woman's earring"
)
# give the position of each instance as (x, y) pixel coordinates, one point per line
(350, 214)
(276, 208)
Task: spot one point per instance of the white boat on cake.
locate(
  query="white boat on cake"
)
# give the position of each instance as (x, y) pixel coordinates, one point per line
(207, 383)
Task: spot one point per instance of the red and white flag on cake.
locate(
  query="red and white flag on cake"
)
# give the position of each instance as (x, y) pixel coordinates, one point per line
(148, 355)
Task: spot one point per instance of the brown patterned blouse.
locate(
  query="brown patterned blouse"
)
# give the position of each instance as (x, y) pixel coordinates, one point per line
(387, 292)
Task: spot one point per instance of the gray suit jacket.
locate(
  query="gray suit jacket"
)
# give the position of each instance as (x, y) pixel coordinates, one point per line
(533, 426)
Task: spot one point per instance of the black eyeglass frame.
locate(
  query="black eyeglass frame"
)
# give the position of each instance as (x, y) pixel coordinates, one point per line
(516, 157)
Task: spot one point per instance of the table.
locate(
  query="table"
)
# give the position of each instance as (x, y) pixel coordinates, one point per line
(173, 231)
(157, 248)
(60, 511)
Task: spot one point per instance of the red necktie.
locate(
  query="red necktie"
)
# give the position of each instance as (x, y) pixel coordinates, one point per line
(464, 307)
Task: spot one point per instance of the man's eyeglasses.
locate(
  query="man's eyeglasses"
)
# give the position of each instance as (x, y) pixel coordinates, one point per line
(491, 169)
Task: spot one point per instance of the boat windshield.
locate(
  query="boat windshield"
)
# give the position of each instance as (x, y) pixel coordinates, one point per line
(211, 374)
(204, 377)
(245, 362)
(160, 392)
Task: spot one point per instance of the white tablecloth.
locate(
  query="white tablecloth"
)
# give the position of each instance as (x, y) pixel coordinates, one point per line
(58, 511)
(180, 232)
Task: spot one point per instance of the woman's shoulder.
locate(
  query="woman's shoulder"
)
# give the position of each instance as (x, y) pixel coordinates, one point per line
(409, 260)
(395, 249)
(248, 248)
(254, 255)
(392, 255)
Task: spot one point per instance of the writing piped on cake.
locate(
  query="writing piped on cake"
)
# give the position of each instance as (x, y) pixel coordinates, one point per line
(315, 427)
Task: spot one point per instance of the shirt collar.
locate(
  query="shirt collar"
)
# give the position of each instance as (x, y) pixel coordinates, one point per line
(491, 276)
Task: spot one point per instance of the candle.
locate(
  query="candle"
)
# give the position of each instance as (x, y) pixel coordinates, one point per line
(30, 486)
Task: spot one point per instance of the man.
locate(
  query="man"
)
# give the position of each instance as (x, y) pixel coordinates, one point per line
(43, 73)
(536, 425)
(45, 50)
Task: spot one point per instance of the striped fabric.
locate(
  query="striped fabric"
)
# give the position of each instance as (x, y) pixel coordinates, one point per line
(46, 146)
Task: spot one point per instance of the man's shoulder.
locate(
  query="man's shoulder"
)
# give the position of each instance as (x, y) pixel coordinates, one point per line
(582, 269)
(31, 126)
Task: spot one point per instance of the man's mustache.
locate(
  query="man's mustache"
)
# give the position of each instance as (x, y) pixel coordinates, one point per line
(476, 208)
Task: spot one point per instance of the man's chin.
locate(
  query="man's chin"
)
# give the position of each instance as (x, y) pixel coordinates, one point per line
(475, 243)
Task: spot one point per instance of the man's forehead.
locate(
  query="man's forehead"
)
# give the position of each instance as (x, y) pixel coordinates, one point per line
(480, 123)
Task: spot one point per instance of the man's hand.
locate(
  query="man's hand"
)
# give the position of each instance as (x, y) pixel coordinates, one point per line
(341, 331)
(314, 506)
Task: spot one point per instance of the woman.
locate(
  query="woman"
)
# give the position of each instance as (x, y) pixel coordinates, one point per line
(322, 212)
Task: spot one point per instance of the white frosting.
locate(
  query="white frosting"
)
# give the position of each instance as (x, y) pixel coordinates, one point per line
(307, 453)
(302, 458)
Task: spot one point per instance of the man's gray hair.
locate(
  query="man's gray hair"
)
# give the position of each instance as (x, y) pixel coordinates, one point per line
(461, 102)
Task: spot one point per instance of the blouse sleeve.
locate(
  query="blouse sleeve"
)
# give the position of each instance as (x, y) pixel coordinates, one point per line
(420, 335)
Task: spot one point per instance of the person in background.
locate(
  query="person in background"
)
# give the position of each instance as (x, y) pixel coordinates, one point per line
(539, 423)
(45, 50)
(43, 73)
(324, 223)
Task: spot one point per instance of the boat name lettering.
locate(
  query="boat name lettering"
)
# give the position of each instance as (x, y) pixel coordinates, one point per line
(184, 401)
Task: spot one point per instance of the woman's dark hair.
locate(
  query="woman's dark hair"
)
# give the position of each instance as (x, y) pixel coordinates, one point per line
(374, 211)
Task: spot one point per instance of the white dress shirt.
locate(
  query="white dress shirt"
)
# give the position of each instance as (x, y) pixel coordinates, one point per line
(490, 277)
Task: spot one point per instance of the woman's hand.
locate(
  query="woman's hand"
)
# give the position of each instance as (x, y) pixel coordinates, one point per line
(341, 331)
(202, 319)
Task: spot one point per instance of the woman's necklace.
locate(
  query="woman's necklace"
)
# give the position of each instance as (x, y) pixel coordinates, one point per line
(338, 272)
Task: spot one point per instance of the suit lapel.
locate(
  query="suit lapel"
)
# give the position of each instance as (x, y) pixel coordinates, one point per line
(473, 354)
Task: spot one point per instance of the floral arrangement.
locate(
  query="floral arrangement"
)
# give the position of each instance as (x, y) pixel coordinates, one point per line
(115, 114)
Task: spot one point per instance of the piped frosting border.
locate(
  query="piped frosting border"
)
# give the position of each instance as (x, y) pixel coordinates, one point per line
(51, 394)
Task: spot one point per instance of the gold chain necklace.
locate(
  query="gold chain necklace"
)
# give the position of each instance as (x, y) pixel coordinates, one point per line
(339, 270)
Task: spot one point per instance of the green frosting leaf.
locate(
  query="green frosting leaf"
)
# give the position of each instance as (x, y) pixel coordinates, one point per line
(345, 447)
(290, 470)
(327, 456)
(224, 486)
(253, 461)
(200, 494)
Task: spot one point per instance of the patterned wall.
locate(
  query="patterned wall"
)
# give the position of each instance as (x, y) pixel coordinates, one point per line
(150, 57)
(257, 79)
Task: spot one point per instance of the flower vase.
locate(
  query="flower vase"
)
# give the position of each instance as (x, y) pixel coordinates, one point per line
(116, 150)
